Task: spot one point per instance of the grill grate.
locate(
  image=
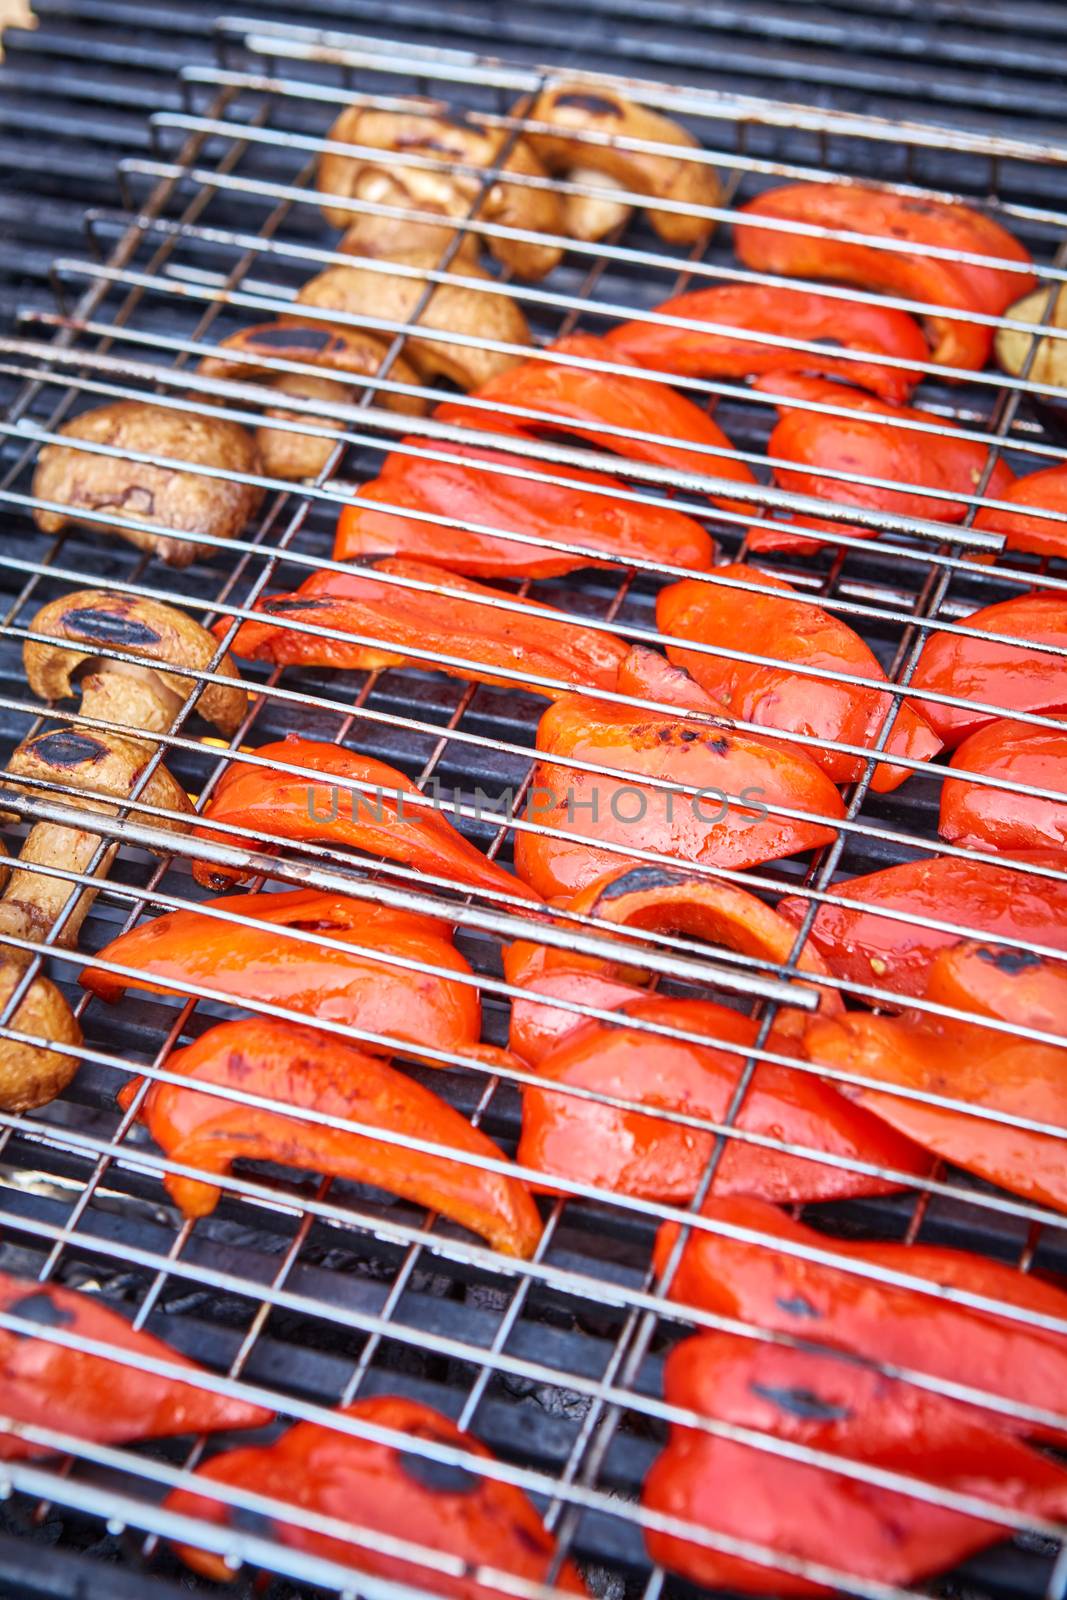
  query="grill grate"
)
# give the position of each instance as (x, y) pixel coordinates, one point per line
(312, 1293)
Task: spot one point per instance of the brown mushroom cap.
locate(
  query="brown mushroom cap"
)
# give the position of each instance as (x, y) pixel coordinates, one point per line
(361, 292)
(400, 238)
(591, 217)
(29, 1075)
(301, 455)
(574, 109)
(333, 349)
(424, 131)
(162, 635)
(183, 501)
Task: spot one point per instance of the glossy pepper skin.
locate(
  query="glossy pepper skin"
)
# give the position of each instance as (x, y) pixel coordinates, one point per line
(464, 622)
(383, 819)
(461, 488)
(914, 274)
(875, 1319)
(786, 312)
(1024, 528)
(642, 1155)
(49, 1385)
(869, 948)
(1010, 677)
(185, 948)
(993, 980)
(807, 443)
(963, 1061)
(819, 1402)
(774, 624)
(290, 1063)
(578, 399)
(401, 1494)
(661, 900)
(730, 825)
(985, 818)
(646, 675)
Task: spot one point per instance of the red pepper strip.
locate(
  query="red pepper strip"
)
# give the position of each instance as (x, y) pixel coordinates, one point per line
(991, 980)
(787, 312)
(870, 445)
(868, 948)
(651, 1159)
(1001, 819)
(742, 778)
(537, 1028)
(317, 1072)
(951, 285)
(879, 1321)
(962, 1061)
(790, 631)
(646, 675)
(183, 949)
(578, 399)
(804, 1509)
(48, 1385)
(265, 799)
(641, 530)
(1010, 676)
(548, 643)
(1026, 529)
(400, 1494)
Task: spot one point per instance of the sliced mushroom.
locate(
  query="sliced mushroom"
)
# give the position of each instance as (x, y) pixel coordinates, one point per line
(592, 217)
(400, 238)
(577, 109)
(424, 131)
(453, 308)
(31, 1075)
(179, 502)
(332, 349)
(1012, 347)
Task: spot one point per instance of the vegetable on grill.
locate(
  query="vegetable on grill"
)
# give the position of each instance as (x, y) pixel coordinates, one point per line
(1019, 755)
(1024, 528)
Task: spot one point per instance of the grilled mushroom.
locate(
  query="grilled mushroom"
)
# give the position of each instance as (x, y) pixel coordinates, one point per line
(341, 353)
(179, 502)
(592, 217)
(31, 1075)
(1049, 365)
(578, 109)
(361, 292)
(424, 131)
(400, 238)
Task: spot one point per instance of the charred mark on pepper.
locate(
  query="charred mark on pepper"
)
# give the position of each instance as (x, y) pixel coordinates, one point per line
(719, 745)
(276, 606)
(800, 1402)
(39, 1307)
(639, 880)
(797, 1306)
(110, 627)
(1008, 961)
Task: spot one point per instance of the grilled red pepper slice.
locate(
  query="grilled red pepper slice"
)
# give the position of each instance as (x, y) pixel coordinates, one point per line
(731, 823)
(779, 311)
(1025, 528)
(962, 1061)
(1012, 677)
(184, 948)
(580, 398)
(984, 818)
(899, 218)
(265, 799)
(775, 625)
(873, 445)
(463, 489)
(646, 675)
(401, 1494)
(643, 1155)
(464, 622)
(805, 1509)
(50, 1385)
(870, 948)
(311, 1071)
(875, 1319)
(993, 980)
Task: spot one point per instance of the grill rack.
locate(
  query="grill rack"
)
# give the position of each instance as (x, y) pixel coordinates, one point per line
(629, 1351)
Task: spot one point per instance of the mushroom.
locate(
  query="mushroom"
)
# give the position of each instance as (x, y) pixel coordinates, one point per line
(180, 502)
(577, 109)
(106, 765)
(425, 130)
(453, 308)
(1049, 365)
(592, 217)
(400, 238)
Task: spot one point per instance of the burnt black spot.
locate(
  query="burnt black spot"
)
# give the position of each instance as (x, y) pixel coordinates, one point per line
(65, 748)
(802, 1403)
(590, 102)
(718, 745)
(276, 607)
(536, 1540)
(257, 1523)
(429, 141)
(1008, 961)
(687, 735)
(291, 338)
(39, 1307)
(639, 880)
(443, 1477)
(797, 1306)
(663, 735)
(110, 627)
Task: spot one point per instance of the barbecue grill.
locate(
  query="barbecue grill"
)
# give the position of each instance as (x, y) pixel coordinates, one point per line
(303, 1294)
